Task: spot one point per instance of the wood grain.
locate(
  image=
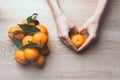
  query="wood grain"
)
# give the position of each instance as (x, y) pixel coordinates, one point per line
(99, 62)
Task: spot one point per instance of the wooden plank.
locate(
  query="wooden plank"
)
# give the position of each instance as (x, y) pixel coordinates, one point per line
(100, 62)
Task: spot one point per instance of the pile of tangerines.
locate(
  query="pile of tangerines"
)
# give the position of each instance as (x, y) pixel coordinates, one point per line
(31, 38)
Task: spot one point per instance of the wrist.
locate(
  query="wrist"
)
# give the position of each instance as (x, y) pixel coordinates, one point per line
(100, 8)
(96, 17)
(56, 10)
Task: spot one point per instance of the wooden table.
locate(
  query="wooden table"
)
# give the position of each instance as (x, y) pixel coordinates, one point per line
(99, 62)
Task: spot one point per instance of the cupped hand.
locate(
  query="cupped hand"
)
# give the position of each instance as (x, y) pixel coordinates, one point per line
(65, 29)
(91, 26)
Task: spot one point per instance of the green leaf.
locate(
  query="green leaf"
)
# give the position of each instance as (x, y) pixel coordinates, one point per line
(18, 32)
(32, 18)
(17, 42)
(36, 22)
(45, 46)
(31, 44)
(29, 19)
(29, 29)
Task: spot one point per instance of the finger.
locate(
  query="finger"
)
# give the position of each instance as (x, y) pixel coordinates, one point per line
(73, 31)
(89, 39)
(63, 40)
(82, 28)
(73, 27)
(68, 41)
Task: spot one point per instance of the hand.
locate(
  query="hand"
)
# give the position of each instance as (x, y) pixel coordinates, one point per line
(65, 28)
(91, 26)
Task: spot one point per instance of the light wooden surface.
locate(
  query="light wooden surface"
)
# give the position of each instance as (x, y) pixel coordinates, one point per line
(100, 62)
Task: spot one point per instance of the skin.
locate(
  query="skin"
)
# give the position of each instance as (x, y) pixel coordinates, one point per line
(65, 25)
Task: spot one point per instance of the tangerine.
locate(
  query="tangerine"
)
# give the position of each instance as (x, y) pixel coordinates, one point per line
(78, 40)
(31, 54)
(19, 57)
(11, 33)
(40, 37)
(26, 40)
(42, 28)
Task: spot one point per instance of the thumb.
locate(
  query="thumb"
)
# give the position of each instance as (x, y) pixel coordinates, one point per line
(89, 39)
(81, 29)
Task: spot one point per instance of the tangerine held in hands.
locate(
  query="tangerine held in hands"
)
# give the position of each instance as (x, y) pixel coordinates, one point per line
(78, 40)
